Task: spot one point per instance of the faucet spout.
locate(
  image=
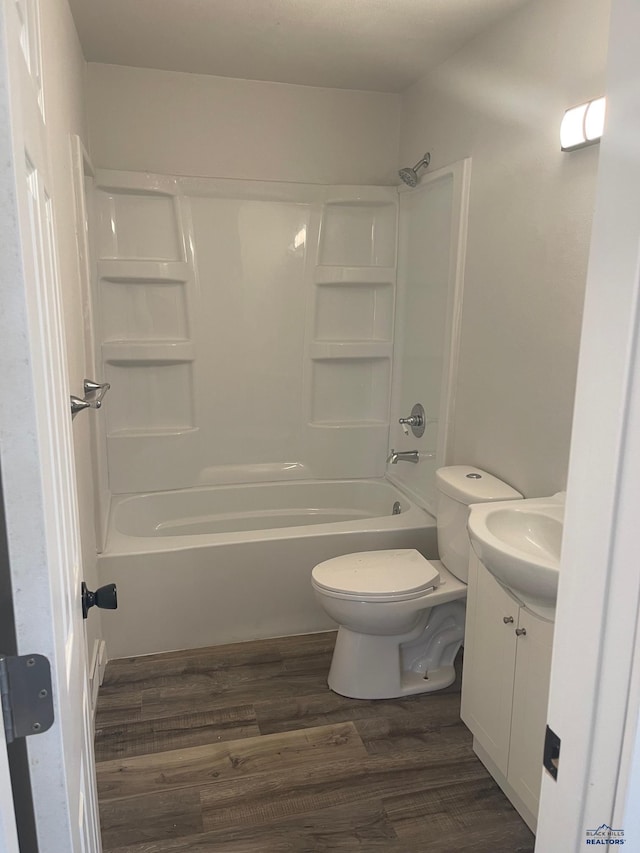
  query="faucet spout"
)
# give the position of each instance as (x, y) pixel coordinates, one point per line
(403, 456)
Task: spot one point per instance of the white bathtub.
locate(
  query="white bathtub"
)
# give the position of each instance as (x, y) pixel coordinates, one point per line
(229, 563)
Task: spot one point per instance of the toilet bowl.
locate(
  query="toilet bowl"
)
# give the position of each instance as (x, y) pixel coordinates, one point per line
(401, 616)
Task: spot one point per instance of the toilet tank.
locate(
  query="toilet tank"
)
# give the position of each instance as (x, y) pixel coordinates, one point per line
(458, 486)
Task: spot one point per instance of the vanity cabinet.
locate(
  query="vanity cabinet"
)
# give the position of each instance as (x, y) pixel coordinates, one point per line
(505, 687)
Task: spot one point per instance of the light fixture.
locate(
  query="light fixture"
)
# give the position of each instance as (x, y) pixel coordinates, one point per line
(582, 125)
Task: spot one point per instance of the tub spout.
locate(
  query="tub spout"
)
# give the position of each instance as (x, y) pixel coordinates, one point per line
(403, 456)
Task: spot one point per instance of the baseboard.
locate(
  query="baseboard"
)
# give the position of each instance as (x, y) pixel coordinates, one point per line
(102, 661)
(96, 672)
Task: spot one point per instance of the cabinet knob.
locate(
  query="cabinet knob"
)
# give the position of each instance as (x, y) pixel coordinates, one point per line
(507, 620)
(521, 632)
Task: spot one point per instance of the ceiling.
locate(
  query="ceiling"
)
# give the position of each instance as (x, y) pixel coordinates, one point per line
(378, 45)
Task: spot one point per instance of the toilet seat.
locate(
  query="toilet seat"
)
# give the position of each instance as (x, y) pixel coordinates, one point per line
(394, 575)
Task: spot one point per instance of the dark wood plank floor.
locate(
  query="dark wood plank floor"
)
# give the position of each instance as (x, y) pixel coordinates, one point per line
(244, 749)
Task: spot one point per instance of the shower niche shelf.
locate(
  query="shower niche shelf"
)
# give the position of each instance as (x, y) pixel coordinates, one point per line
(143, 300)
(350, 333)
(152, 311)
(146, 286)
(119, 270)
(349, 350)
(359, 275)
(152, 353)
(151, 459)
(138, 223)
(153, 432)
(355, 449)
(358, 233)
(350, 391)
(147, 397)
(354, 312)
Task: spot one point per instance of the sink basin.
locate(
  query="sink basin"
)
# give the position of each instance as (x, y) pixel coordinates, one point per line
(519, 543)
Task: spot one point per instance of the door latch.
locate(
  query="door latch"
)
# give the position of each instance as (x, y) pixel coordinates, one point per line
(551, 756)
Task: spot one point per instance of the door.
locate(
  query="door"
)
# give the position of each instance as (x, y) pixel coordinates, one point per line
(594, 702)
(530, 700)
(36, 447)
(489, 663)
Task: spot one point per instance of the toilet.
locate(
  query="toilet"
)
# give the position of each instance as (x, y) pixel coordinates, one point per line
(401, 616)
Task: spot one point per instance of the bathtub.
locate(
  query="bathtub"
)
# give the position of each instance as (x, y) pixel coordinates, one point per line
(223, 564)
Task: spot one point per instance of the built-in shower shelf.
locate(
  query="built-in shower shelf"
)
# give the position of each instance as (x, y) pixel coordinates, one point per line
(153, 432)
(347, 389)
(363, 442)
(349, 425)
(363, 276)
(143, 272)
(150, 353)
(330, 350)
(152, 458)
(139, 222)
(360, 232)
(366, 197)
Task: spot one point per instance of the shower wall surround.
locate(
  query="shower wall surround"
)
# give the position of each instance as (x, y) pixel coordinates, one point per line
(431, 251)
(246, 329)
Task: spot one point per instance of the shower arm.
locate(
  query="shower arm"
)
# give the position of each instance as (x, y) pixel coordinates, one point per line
(423, 162)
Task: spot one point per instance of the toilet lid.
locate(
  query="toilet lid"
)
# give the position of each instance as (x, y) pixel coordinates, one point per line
(377, 574)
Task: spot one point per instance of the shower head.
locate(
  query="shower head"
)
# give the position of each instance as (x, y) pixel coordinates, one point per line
(410, 176)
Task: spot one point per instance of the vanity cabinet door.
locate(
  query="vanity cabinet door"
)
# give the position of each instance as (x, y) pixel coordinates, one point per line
(489, 663)
(530, 699)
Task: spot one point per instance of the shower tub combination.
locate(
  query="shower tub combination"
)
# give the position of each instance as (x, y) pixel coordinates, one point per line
(248, 331)
(223, 564)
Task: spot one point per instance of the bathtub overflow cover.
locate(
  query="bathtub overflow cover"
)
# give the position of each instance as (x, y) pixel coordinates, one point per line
(474, 476)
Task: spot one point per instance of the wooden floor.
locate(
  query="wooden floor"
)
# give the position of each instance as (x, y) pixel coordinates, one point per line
(244, 749)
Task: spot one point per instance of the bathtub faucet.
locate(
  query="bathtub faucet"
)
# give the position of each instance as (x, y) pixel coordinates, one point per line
(403, 456)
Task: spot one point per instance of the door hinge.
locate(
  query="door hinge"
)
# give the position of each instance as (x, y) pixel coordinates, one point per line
(25, 691)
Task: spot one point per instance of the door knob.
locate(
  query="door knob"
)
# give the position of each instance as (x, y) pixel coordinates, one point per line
(507, 620)
(521, 632)
(106, 597)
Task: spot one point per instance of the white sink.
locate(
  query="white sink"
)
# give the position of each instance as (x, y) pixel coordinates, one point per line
(519, 543)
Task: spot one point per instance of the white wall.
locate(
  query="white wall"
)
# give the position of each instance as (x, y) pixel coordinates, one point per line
(64, 71)
(192, 124)
(500, 101)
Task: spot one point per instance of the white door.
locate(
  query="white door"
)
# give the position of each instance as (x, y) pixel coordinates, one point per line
(489, 663)
(595, 680)
(36, 446)
(530, 700)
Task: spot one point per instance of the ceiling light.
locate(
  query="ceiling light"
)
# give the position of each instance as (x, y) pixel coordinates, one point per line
(582, 125)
